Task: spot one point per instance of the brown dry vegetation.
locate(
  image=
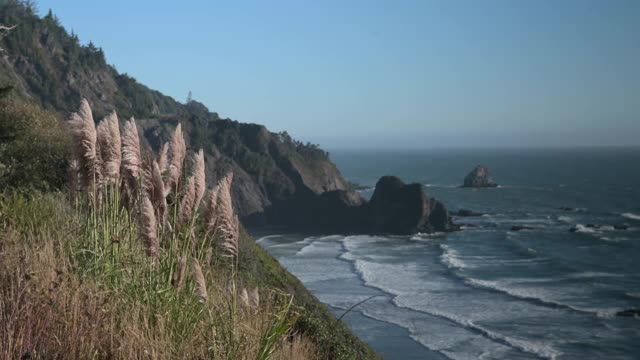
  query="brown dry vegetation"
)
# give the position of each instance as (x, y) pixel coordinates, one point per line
(101, 275)
(51, 308)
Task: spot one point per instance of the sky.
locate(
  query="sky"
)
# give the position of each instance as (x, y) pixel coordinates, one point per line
(387, 74)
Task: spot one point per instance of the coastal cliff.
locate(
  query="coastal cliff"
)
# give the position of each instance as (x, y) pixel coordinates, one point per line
(277, 181)
(44, 73)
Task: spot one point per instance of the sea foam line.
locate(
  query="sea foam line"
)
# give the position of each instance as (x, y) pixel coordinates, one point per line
(631, 216)
(497, 287)
(522, 345)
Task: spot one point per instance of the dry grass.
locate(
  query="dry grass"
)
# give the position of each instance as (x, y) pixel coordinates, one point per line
(108, 280)
(51, 306)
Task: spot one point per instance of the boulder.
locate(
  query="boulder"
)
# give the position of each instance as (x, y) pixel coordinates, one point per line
(479, 178)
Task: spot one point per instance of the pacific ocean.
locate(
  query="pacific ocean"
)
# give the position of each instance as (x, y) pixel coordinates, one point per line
(489, 291)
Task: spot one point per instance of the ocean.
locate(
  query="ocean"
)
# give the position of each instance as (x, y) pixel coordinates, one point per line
(487, 291)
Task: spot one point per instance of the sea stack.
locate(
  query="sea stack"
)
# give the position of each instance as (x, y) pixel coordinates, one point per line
(479, 178)
(399, 208)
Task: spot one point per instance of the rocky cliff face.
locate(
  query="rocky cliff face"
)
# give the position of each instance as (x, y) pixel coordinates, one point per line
(268, 168)
(277, 180)
(48, 66)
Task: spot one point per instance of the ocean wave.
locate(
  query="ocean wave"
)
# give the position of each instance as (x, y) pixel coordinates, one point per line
(631, 216)
(427, 236)
(635, 295)
(529, 347)
(566, 219)
(392, 279)
(365, 189)
(451, 258)
(590, 274)
(268, 237)
(317, 245)
(537, 297)
(446, 186)
(579, 228)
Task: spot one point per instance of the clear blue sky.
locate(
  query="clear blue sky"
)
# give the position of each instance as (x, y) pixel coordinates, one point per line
(387, 73)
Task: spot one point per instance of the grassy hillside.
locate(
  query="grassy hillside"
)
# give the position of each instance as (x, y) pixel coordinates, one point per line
(53, 306)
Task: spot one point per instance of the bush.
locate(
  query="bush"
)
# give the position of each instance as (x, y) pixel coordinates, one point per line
(34, 147)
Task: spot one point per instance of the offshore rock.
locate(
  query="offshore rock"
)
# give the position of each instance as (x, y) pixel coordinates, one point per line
(479, 178)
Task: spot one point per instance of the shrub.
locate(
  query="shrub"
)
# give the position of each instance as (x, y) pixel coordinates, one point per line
(34, 147)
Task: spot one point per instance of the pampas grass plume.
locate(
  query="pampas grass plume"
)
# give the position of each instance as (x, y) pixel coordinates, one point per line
(131, 157)
(109, 144)
(85, 145)
(186, 205)
(199, 178)
(148, 229)
(201, 286)
(178, 151)
(162, 158)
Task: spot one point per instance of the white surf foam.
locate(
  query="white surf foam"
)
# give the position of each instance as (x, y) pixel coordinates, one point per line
(631, 216)
(633, 294)
(318, 245)
(268, 237)
(538, 349)
(566, 219)
(430, 295)
(579, 228)
(447, 186)
(451, 258)
(543, 296)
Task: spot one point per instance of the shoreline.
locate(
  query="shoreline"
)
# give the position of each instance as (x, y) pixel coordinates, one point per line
(397, 344)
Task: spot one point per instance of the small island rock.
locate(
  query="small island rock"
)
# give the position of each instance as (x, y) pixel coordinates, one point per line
(479, 178)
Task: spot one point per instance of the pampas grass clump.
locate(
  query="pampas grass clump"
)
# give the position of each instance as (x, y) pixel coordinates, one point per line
(139, 227)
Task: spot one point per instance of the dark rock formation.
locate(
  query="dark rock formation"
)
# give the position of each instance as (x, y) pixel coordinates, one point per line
(566, 208)
(402, 209)
(521, 227)
(479, 178)
(398, 208)
(621, 226)
(394, 208)
(629, 313)
(466, 213)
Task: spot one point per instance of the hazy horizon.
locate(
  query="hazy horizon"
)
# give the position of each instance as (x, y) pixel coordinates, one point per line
(408, 74)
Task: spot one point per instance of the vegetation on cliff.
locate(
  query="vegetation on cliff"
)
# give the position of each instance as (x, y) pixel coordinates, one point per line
(127, 265)
(80, 280)
(49, 67)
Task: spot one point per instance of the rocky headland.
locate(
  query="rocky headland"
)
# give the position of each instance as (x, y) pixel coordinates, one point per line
(277, 180)
(394, 208)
